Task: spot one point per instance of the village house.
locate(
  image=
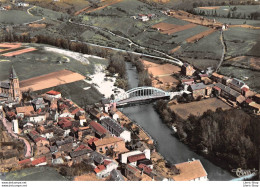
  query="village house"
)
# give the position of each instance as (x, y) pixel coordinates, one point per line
(24, 111)
(134, 158)
(105, 169)
(39, 103)
(53, 94)
(205, 78)
(246, 92)
(99, 130)
(255, 107)
(236, 84)
(10, 89)
(228, 93)
(216, 77)
(256, 98)
(65, 145)
(197, 90)
(132, 173)
(117, 145)
(142, 150)
(187, 81)
(37, 117)
(106, 104)
(22, 4)
(191, 171)
(114, 128)
(116, 175)
(187, 69)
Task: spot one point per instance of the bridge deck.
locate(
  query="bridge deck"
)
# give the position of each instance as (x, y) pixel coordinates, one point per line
(136, 99)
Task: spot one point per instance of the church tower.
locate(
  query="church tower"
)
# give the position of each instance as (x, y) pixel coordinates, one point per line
(14, 86)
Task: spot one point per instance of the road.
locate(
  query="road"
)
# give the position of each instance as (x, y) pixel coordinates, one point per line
(175, 60)
(8, 127)
(169, 58)
(223, 52)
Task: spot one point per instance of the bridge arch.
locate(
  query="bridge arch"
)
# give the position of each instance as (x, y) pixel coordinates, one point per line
(140, 93)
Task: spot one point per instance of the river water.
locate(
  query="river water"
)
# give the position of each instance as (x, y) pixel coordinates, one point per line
(170, 147)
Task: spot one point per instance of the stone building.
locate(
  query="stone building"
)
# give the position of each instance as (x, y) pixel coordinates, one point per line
(10, 89)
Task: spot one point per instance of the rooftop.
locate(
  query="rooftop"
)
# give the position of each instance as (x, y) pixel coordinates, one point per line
(27, 110)
(99, 168)
(52, 92)
(198, 86)
(190, 170)
(113, 124)
(97, 127)
(135, 158)
(106, 141)
(228, 89)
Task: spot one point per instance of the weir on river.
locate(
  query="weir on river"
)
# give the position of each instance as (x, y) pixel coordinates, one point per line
(167, 145)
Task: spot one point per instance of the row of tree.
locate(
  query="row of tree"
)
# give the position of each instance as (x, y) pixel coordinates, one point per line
(231, 137)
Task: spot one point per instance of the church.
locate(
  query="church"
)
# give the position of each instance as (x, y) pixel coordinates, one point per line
(10, 89)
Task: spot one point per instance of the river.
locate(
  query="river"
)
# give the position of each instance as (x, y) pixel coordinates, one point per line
(167, 145)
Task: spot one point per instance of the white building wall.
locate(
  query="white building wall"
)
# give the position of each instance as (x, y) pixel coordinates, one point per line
(125, 155)
(37, 118)
(126, 135)
(15, 126)
(147, 153)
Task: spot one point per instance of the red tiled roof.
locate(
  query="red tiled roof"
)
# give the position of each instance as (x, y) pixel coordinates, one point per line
(10, 113)
(134, 158)
(98, 127)
(217, 88)
(82, 147)
(26, 161)
(65, 122)
(75, 111)
(107, 162)
(245, 89)
(203, 75)
(145, 168)
(99, 168)
(38, 161)
(27, 110)
(52, 92)
(248, 100)
(91, 140)
(187, 80)
(34, 132)
(39, 139)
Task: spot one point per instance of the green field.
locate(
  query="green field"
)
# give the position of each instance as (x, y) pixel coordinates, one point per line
(16, 17)
(35, 174)
(241, 11)
(208, 47)
(43, 12)
(241, 41)
(42, 62)
(232, 21)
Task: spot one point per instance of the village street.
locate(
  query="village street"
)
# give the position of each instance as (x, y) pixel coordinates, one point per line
(8, 126)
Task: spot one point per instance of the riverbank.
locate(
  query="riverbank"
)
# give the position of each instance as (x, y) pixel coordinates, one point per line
(159, 162)
(103, 83)
(204, 136)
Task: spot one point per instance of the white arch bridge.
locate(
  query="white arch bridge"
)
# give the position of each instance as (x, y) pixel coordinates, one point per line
(140, 94)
